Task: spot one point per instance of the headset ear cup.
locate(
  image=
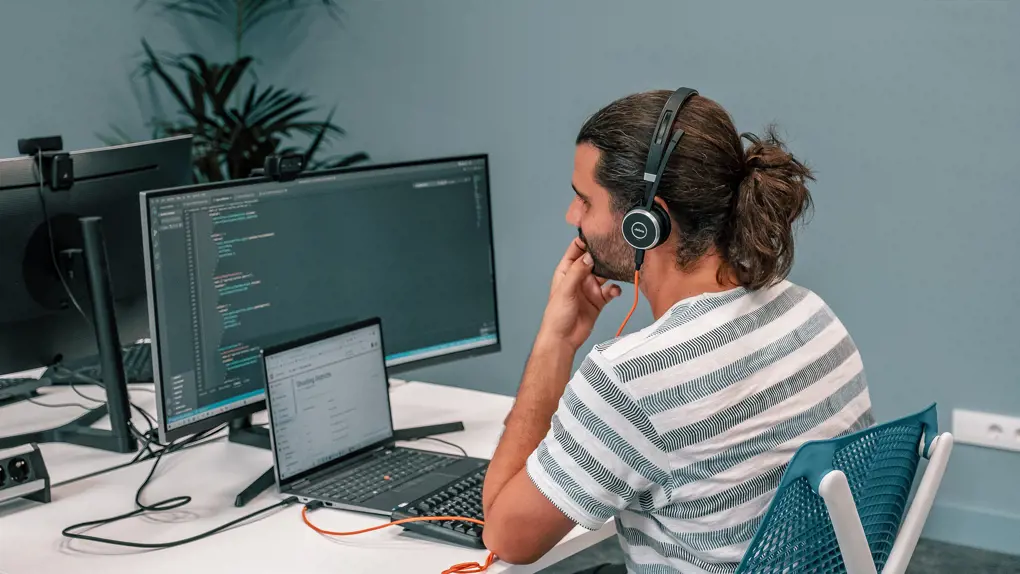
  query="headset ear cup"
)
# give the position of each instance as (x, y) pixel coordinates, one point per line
(665, 224)
(640, 229)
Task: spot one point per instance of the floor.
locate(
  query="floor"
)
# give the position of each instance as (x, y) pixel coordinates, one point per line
(930, 558)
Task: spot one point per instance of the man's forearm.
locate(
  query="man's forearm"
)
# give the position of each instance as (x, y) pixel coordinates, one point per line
(545, 377)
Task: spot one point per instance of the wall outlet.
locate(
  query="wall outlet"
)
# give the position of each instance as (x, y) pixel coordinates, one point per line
(986, 429)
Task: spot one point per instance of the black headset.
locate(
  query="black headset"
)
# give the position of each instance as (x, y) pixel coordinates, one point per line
(647, 226)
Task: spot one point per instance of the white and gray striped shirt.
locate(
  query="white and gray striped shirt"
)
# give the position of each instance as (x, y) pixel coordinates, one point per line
(682, 431)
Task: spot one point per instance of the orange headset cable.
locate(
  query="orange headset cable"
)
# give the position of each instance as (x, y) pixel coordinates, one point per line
(463, 568)
(637, 275)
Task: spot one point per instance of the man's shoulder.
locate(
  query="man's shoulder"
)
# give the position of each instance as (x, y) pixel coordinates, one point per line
(697, 317)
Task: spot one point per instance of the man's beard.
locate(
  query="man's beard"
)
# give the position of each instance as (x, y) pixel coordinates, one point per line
(614, 259)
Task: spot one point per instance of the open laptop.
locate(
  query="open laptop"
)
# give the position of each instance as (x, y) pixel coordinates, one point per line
(332, 430)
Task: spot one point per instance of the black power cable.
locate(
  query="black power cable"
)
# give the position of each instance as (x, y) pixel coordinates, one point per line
(38, 168)
(149, 420)
(159, 545)
(142, 456)
(57, 405)
(163, 506)
(447, 443)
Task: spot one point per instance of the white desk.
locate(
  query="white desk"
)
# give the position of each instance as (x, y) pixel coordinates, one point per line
(30, 540)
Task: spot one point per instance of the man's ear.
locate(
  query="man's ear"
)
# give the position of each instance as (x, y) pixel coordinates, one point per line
(674, 230)
(662, 203)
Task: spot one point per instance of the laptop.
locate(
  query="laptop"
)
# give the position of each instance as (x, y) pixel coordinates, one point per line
(331, 427)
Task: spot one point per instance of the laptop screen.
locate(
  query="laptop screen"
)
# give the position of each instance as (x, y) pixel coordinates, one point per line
(327, 398)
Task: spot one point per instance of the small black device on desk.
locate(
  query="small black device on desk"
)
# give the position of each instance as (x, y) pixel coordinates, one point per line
(460, 498)
(137, 367)
(17, 389)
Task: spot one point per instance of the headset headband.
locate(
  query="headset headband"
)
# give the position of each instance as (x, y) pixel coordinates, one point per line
(657, 157)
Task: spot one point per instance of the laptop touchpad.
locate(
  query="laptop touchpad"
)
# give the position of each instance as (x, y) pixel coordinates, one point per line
(426, 484)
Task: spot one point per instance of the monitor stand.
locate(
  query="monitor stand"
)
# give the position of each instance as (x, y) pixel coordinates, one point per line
(79, 431)
(242, 431)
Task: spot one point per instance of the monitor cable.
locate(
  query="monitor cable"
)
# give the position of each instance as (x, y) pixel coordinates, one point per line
(147, 439)
(57, 405)
(37, 167)
(172, 503)
(142, 456)
(447, 443)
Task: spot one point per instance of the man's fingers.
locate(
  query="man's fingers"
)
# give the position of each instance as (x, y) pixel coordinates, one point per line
(600, 295)
(574, 251)
(576, 243)
(593, 290)
(610, 292)
(601, 280)
(579, 269)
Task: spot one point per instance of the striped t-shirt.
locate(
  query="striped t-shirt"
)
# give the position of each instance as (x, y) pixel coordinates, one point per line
(682, 431)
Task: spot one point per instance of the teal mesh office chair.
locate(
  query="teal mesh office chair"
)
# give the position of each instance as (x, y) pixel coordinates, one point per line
(840, 506)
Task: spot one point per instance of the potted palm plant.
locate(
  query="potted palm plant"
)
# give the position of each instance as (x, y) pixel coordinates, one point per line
(235, 121)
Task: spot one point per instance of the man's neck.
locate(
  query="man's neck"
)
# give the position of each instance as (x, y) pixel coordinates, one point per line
(664, 284)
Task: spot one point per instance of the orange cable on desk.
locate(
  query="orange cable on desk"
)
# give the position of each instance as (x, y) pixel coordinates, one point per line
(463, 568)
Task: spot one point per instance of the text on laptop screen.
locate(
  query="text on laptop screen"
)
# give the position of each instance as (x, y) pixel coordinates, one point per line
(327, 399)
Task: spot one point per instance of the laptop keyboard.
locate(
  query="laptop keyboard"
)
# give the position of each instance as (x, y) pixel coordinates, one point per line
(384, 471)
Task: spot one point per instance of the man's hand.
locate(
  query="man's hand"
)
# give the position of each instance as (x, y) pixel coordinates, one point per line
(575, 299)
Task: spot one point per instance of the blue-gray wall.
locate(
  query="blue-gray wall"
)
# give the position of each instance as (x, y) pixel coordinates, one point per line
(65, 68)
(908, 112)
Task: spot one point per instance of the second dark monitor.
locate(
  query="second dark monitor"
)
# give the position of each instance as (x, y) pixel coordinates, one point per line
(38, 322)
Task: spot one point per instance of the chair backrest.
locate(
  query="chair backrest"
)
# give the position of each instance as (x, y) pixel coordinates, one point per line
(879, 462)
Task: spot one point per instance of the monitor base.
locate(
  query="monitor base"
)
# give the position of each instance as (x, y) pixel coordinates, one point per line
(77, 432)
(241, 431)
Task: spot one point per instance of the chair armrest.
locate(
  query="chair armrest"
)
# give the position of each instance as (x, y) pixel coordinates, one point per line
(917, 514)
(853, 544)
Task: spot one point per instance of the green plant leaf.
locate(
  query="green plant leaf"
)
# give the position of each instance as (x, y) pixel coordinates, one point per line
(157, 67)
(287, 121)
(349, 160)
(211, 10)
(231, 76)
(334, 162)
(117, 136)
(197, 95)
(239, 17)
(234, 121)
(319, 137)
(275, 107)
(256, 11)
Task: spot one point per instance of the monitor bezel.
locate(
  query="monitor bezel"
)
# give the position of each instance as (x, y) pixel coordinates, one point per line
(165, 433)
